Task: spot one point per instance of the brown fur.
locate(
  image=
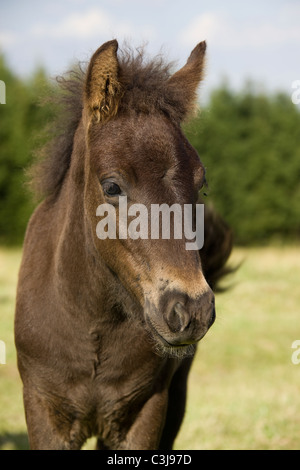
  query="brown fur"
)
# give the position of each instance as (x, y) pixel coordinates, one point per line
(106, 329)
(145, 88)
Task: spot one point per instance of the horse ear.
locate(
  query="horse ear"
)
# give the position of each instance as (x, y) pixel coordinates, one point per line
(102, 87)
(185, 82)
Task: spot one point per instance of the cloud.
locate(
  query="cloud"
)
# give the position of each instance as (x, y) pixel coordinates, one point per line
(84, 25)
(223, 32)
(206, 26)
(7, 38)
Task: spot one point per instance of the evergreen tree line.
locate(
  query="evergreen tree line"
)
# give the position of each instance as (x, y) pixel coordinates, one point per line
(248, 141)
(250, 145)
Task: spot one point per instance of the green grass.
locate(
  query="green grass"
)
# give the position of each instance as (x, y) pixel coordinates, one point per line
(12, 422)
(243, 387)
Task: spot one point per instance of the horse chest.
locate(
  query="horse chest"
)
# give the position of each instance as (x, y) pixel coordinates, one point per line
(126, 390)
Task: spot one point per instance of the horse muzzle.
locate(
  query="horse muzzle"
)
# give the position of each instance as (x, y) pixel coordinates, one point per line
(178, 320)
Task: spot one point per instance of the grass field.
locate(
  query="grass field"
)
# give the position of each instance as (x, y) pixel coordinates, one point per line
(244, 390)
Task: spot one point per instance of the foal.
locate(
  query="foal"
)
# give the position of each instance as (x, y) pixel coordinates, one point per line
(106, 328)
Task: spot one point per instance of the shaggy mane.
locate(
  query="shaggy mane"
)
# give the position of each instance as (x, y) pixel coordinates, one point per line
(145, 84)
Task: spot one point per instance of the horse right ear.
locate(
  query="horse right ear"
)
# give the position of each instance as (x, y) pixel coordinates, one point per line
(102, 87)
(184, 83)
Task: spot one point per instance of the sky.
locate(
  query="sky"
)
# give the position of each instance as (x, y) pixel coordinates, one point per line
(257, 40)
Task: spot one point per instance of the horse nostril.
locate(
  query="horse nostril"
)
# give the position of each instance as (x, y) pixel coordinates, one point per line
(212, 317)
(178, 318)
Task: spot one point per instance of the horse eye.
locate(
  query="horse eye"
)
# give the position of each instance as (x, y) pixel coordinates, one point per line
(110, 188)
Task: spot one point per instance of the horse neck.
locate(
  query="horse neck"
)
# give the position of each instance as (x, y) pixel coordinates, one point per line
(78, 268)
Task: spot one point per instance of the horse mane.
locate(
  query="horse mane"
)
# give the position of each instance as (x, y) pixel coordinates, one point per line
(52, 160)
(218, 244)
(144, 82)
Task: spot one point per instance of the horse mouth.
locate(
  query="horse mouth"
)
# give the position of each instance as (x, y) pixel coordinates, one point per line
(165, 348)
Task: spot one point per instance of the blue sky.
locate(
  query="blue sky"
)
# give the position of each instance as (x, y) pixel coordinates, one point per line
(259, 40)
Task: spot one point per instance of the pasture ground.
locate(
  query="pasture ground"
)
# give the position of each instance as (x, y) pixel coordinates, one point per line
(244, 390)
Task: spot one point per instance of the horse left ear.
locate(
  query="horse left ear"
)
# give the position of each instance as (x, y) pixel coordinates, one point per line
(185, 82)
(102, 87)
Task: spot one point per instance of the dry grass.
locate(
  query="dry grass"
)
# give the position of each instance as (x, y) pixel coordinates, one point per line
(244, 388)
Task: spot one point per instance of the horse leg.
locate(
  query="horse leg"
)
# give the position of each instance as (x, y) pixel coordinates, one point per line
(100, 445)
(47, 430)
(176, 405)
(145, 431)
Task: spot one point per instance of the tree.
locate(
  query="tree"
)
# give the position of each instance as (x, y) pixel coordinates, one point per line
(250, 145)
(21, 120)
